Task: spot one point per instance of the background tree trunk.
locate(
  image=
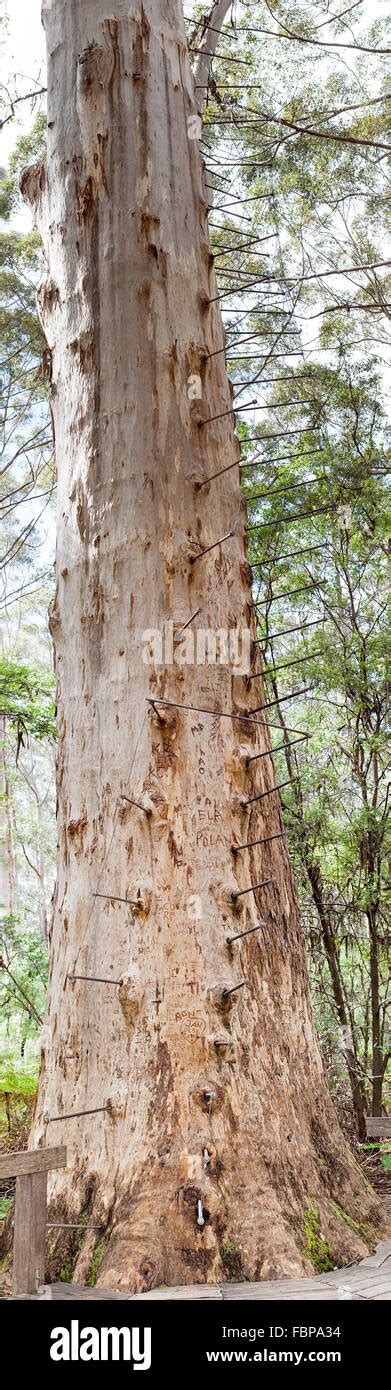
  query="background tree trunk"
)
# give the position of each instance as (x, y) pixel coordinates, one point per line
(8, 878)
(246, 1129)
(332, 957)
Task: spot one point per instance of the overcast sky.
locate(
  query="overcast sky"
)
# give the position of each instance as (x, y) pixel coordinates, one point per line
(22, 58)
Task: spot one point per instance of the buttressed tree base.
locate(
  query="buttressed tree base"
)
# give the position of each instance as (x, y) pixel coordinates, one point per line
(213, 1150)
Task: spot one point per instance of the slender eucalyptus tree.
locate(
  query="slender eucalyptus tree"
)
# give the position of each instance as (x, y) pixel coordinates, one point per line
(213, 1131)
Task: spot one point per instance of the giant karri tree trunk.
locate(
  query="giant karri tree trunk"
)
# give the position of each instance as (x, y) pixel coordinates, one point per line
(218, 1132)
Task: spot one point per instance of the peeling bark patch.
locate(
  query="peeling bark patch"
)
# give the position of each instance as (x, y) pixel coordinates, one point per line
(94, 69)
(76, 830)
(245, 572)
(97, 599)
(83, 348)
(130, 1001)
(80, 518)
(54, 614)
(32, 182)
(48, 295)
(196, 360)
(141, 43)
(85, 200)
(163, 265)
(147, 228)
(144, 290)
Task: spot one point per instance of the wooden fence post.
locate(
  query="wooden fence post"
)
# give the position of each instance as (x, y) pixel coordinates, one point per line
(30, 1232)
(31, 1169)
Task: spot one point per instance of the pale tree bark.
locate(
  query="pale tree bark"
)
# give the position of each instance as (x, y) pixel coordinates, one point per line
(219, 1110)
(39, 866)
(208, 48)
(8, 872)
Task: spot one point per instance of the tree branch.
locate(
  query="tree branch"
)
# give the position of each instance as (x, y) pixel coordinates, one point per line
(14, 101)
(316, 43)
(327, 135)
(30, 1006)
(208, 47)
